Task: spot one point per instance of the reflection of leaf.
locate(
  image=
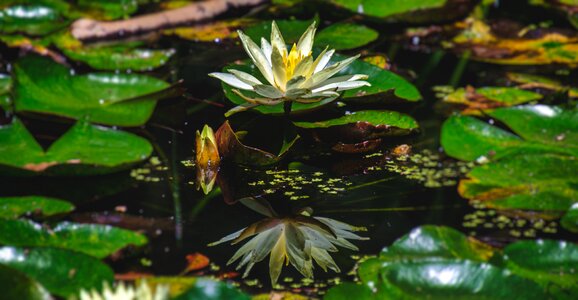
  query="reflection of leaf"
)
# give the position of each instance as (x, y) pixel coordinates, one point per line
(13, 207)
(536, 182)
(196, 261)
(125, 56)
(62, 272)
(540, 128)
(44, 86)
(96, 240)
(435, 262)
(84, 149)
(230, 147)
(16, 285)
(297, 240)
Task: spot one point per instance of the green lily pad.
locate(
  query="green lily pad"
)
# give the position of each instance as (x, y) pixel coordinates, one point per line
(92, 239)
(209, 289)
(570, 219)
(348, 291)
(531, 181)
(43, 86)
(13, 207)
(107, 9)
(33, 19)
(540, 128)
(375, 118)
(231, 148)
(531, 81)
(376, 8)
(83, 150)
(16, 285)
(5, 89)
(125, 56)
(477, 100)
(545, 261)
(455, 279)
(62, 272)
(345, 36)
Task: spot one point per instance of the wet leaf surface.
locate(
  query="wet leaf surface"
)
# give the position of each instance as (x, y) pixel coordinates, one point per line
(16, 285)
(13, 207)
(84, 149)
(209, 289)
(540, 129)
(95, 240)
(62, 272)
(33, 19)
(43, 86)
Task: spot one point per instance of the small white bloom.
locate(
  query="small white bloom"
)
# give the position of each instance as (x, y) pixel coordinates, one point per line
(290, 75)
(126, 292)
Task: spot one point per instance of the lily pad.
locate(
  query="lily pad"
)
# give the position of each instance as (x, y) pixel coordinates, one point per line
(16, 285)
(212, 32)
(231, 148)
(208, 289)
(92, 239)
(13, 207)
(345, 36)
(545, 261)
(84, 149)
(32, 19)
(43, 86)
(62, 272)
(125, 56)
(570, 219)
(531, 81)
(5, 89)
(107, 9)
(540, 128)
(476, 100)
(536, 182)
(377, 9)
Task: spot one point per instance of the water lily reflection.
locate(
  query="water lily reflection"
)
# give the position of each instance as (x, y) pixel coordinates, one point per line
(297, 239)
(207, 159)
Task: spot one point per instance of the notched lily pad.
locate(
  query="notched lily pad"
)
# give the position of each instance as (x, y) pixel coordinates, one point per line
(539, 129)
(475, 100)
(231, 148)
(83, 150)
(43, 86)
(13, 207)
(62, 272)
(119, 56)
(95, 240)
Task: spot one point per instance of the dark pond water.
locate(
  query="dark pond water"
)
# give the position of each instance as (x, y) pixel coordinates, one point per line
(162, 199)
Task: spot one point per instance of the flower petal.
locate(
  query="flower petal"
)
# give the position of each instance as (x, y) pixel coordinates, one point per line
(267, 49)
(296, 93)
(306, 41)
(322, 60)
(341, 86)
(277, 259)
(326, 73)
(279, 72)
(304, 67)
(268, 91)
(257, 56)
(277, 39)
(232, 80)
(245, 77)
(324, 260)
(295, 82)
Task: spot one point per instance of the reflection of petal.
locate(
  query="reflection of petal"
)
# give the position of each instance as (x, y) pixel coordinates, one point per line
(278, 256)
(324, 260)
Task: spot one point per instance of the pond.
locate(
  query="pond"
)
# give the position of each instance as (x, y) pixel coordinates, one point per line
(441, 161)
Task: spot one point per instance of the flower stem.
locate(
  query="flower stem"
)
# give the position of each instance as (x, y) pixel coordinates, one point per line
(287, 108)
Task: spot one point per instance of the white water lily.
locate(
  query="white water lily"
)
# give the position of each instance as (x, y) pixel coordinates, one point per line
(298, 240)
(289, 75)
(126, 292)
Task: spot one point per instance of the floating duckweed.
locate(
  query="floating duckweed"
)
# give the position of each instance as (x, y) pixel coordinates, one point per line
(517, 226)
(150, 172)
(189, 163)
(213, 267)
(288, 279)
(251, 282)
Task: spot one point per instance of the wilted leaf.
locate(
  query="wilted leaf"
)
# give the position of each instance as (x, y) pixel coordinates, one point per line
(92, 239)
(196, 261)
(530, 81)
(13, 207)
(211, 32)
(43, 86)
(62, 272)
(84, 149)
(476, 100)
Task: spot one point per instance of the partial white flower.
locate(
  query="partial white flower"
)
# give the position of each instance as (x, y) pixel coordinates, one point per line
(126, 292)
(299, 240)
(289, 75)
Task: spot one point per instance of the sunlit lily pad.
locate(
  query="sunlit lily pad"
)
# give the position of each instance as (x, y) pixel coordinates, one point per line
(62, 272)
(231, 148)
(33, 19)
(13, 207)
(121, 56)
(43, 86)
(212, 32)
(92, 239)
(570, 219)
(540, 128)
(476, 100)
(84, 149)
(536, 182)
(16, 285)
(530, 81)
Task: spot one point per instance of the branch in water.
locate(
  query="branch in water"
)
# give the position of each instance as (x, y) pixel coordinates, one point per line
(87, 29)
